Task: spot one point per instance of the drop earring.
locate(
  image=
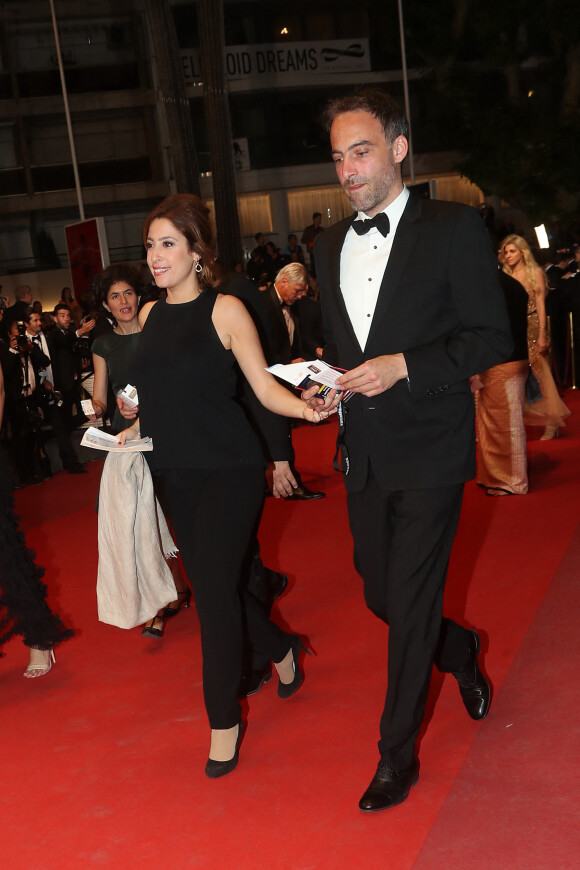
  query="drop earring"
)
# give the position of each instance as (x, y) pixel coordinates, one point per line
(198, 267)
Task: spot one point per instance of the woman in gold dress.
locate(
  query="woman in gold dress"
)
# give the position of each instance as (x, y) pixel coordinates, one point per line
(518, 261)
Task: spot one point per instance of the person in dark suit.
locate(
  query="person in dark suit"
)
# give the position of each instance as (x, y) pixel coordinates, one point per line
(308, 315)
(45, 397)
(280, 340)
(557, 309)
(412, 308)
(65, 356)
(21, 364)
(16, 312)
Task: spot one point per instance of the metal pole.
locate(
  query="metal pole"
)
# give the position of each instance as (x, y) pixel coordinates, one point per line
(67, 113)
(406, 89)
(571, 319)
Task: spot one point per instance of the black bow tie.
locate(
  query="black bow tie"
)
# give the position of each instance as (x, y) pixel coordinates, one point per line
(380, 221)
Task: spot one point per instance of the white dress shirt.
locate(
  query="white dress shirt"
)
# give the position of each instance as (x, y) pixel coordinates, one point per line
(40, 338)
(363, 261)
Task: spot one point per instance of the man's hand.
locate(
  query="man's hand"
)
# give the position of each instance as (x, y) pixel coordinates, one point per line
(317, 403)
(129, 412)
(375, 376)
(282, 481)
(86, 327)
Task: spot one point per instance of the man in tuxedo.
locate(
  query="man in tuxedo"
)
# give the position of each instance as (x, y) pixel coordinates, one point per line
(412, 308)
(48, 401)
(280, 339)
(21, 365)
(65, 355)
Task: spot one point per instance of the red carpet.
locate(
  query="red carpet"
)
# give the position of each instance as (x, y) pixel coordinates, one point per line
(103, 758)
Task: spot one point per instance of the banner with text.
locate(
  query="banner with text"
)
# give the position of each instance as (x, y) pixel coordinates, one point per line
(274, 63)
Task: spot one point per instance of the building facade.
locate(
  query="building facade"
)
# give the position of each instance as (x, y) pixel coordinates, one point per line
(282, 63)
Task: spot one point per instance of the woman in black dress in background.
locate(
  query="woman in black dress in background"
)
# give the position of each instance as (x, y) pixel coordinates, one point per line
(207, 453)
(117, 290)
(23, 607)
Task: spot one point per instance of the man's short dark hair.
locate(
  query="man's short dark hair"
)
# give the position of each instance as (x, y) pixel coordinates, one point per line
(257, 236)
(28, 314)
(316, 214)
(61, 306)
(377, 103)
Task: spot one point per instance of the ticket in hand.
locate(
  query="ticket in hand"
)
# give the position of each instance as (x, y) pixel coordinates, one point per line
(87, 406)
(129, 396)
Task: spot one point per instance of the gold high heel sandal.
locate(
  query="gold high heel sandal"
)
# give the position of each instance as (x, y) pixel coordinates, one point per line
(549, 433)
(38, 665)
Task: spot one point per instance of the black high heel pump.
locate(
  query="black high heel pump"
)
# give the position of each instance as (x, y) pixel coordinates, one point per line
(286, 690)
(213, 769)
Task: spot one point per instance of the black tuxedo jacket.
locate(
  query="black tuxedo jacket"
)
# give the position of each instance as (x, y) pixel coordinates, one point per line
(441, 305)
(66, 362)
(14, 373)
(278, 348)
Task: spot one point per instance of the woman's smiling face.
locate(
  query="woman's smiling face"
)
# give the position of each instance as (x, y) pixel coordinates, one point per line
(168, 255)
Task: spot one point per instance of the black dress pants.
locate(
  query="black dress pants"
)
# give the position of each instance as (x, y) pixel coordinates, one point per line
(402, 543)
(61, 431)
(214, 514)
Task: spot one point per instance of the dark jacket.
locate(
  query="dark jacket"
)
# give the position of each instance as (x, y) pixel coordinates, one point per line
(441, 305)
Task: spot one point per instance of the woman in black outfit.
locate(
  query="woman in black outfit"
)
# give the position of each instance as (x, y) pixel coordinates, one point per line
(118, 290)
(207, 453)
(23, 607)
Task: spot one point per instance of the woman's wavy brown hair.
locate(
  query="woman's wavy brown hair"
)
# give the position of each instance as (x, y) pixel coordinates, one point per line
(190, 217)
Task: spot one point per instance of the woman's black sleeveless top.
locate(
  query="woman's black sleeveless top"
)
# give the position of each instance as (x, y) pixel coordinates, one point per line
(186, 381)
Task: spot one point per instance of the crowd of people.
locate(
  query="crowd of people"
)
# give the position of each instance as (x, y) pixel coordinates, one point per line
(417, 315)
(44, 365)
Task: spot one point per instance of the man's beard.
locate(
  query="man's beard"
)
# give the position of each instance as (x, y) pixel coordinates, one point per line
(375, 193)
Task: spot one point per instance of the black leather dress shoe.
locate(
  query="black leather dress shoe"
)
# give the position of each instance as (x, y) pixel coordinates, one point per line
(253, 680)
(474, 688)
(388, 788)
(302, 493)
(76, 468)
